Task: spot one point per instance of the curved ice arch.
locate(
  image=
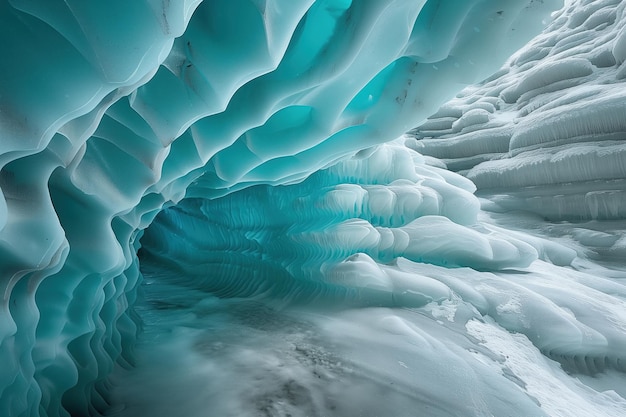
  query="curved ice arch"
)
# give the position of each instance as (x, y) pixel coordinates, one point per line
(125, 117)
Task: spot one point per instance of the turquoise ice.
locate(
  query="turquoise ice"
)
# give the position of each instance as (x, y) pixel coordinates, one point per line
(243, 161)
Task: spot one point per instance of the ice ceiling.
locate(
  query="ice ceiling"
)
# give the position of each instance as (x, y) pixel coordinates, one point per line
(293, 250)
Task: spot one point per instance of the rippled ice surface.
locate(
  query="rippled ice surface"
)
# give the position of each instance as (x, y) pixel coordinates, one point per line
(205, 356)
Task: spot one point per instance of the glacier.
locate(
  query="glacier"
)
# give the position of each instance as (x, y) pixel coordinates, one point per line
(300, 208)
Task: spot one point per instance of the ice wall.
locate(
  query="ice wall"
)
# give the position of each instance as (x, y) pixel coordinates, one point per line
(110, 110)
(334, 235)
(549, 126)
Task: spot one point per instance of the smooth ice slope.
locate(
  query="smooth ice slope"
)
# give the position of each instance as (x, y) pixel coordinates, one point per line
(110, 110)
(547, 132)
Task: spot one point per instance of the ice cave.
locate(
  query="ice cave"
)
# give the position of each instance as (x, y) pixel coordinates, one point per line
(313, 208)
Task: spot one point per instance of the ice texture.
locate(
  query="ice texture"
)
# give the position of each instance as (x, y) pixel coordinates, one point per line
(336, 229)
(546, 132)
(289, 253)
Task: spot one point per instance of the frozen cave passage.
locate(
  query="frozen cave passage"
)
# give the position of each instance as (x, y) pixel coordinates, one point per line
(313, 208)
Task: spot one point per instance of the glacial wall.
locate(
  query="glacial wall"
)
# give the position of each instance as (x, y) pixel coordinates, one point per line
(546, 133)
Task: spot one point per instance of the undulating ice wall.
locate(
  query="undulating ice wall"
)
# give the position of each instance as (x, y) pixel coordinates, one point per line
(549, 127)
(333, 235)
(109, 110)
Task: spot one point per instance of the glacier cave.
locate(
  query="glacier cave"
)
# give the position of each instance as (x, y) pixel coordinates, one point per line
(304, 208)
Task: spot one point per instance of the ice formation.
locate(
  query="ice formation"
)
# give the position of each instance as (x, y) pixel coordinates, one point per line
(291, 255)
(546, 132)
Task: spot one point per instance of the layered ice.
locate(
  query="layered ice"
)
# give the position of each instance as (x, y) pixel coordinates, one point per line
(546, 132)
(289, 255)
(335, 231)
